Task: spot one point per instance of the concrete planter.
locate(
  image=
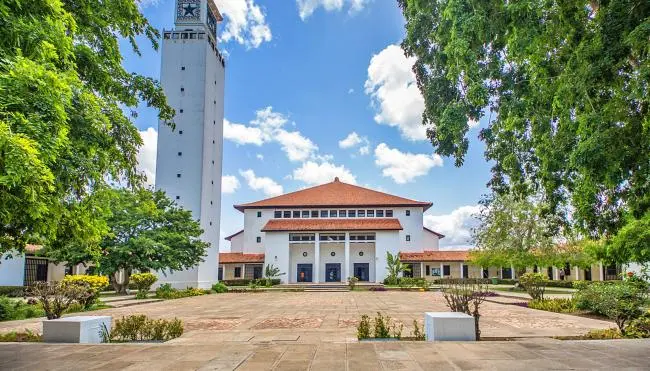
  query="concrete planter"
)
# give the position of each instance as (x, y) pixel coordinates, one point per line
(77, 329)
(449, 326)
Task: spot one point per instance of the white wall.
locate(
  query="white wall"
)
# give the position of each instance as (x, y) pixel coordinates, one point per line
(386, 241)
(430, 241)
(277, 253)
(295, 257)
(237, 243)
(12, 271)
(253, 229)
(412, 225)
(368, 250)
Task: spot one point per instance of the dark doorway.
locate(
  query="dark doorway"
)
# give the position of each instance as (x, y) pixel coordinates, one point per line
(35, 270)
(506, 273)
(362, 271)
(220, 274)
(486, 273)
(304, 273)
(549, 272)
(465, 271)
(333, 272)
(409, 270)
(587, 274)
(257, 272)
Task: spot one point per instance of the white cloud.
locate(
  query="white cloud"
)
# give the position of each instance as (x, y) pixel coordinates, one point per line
(260, 156)
(307, 7)
(404, 167)
(314, 173)
(364, 150)
(246, 23)
(147, 3)
(456, 226)
(268, 126)
(229, 184)
(242, 134)
(396, 97)
(267, 185)
(147, 155)
(353, 140)
(350, 91)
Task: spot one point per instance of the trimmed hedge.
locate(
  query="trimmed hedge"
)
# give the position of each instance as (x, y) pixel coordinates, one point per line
(12, 291)
(243, 282)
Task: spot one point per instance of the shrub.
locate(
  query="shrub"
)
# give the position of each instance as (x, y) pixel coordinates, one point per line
(352, 281)
(417, 333)
(382, 326)
(466, 296)
(141, 295)
(219, 288)
(639, 327)
(363, 328)
(28, 336)
(12, 291)
(534, 284)
(409, 282)
(603, 334)
(92, 284)
(397, 330)
(56, 297)
(245, 282)
(143, 281)
(14, 309)
(166, 291)
(140, 328)
(553, 305)
(620, 301)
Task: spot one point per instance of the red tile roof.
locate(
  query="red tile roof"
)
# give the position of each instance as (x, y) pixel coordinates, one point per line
(237, 257)
(441, 256)
(440, 235)
(362, 224)
(233, 235)
(334, 194)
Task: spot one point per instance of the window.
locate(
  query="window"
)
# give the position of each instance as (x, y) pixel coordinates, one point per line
(286, 214)
(331, 237)
(277, 214)
(237, 272)
(408, 212)
(182, 89)
(178, 197)
(408, 237)
(567, 269)
(342, 213)
(323, 213)
(370, 213)
(314, 213)
(305, 213)
(296, 214)
(446, 270)
(435, 271)
(167, 35)
(183, 68)
(333, 213)
(175, 36)
(258, 239)
(389, 213)
(362, 237)
(180, 132)
(301, 237)
(352, 213)
(361, 213)
(180, 153)
(380, 213)
(259, 214)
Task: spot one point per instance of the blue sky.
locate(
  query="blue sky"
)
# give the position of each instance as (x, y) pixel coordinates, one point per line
(317, 89)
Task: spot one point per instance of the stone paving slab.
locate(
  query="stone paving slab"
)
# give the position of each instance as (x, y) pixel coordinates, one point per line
(528, 354)
(312, 317)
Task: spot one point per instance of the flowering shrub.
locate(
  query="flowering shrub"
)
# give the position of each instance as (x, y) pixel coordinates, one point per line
(143, 283)
(92, 284)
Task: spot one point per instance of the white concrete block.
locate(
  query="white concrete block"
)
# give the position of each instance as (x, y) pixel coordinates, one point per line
(78, 329)
(449, 326)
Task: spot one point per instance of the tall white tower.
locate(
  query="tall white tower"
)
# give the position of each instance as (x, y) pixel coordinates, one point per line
(188, 165)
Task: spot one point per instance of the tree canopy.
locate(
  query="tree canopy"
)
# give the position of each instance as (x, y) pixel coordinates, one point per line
(63, 128)
(147, 231)
(565, 85)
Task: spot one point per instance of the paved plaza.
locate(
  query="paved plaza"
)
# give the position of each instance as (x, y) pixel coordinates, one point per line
(302, 330)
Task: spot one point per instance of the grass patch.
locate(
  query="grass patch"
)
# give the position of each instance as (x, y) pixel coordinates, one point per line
(22, 337)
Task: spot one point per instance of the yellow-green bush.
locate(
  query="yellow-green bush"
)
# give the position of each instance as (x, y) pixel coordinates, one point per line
(143, 281)
(97, 283)
(603, 334)
(557, 305)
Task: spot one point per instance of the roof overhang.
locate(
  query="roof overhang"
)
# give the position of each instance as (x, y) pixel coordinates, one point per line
(237, 257)
(242, 207)
(440, 235)
(233, 235)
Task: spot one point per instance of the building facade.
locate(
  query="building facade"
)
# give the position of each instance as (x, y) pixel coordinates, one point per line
(188, 165)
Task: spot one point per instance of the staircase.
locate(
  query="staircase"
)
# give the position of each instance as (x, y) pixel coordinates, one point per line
(326, 286)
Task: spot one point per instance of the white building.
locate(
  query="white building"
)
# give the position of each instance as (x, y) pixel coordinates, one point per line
(188, 166)
(326, 234)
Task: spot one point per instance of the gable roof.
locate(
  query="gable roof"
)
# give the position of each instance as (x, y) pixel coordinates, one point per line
(434, 256)
(440, 235)
(365, 224)
(233, 235)
(334, 194)
(237, 257)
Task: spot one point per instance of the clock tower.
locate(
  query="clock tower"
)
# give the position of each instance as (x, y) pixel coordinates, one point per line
(188, 166)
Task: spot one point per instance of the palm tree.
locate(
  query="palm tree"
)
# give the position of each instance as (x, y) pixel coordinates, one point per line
(270, 273)
(395, 267)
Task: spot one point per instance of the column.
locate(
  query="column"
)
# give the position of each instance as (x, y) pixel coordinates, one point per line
(600, 271)
(512, 272)
(577, 273)
(423, 274)
(442, 271)
(555, 274)
(243, 271)
(461, 270)
(346, 268)
(316, 274)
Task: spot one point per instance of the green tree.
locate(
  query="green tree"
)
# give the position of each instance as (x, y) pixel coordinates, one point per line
(63, 128)
(271, 272)
(513, 231)
(147, 231)
(565, 86)
(395, 267)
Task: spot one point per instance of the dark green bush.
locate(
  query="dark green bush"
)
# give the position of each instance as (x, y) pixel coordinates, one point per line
(534, 284)
(639, 327)
(166, 291)
(363, 328)
(620, 301)
(14, 309)
(12, 291)
(219, 288)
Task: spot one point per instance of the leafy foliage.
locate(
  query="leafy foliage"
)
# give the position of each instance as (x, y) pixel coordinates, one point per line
(417, 332)
(566, 87)
(271, 273)
(63, 130)
(24, 337)
(395, 267)
(166, 291)
(631, 243)
(363, 328)
(219, 288)
(94, 285)
(144, 281)
(352, 282)
(56, 297)
(534, 284)
(465, 296)
(557, 305)
(639, 327)
(15, 309)
(382, 326)
(140, 328)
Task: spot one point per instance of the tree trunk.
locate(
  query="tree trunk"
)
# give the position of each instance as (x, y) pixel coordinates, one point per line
(476, 327)
(121, 288)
